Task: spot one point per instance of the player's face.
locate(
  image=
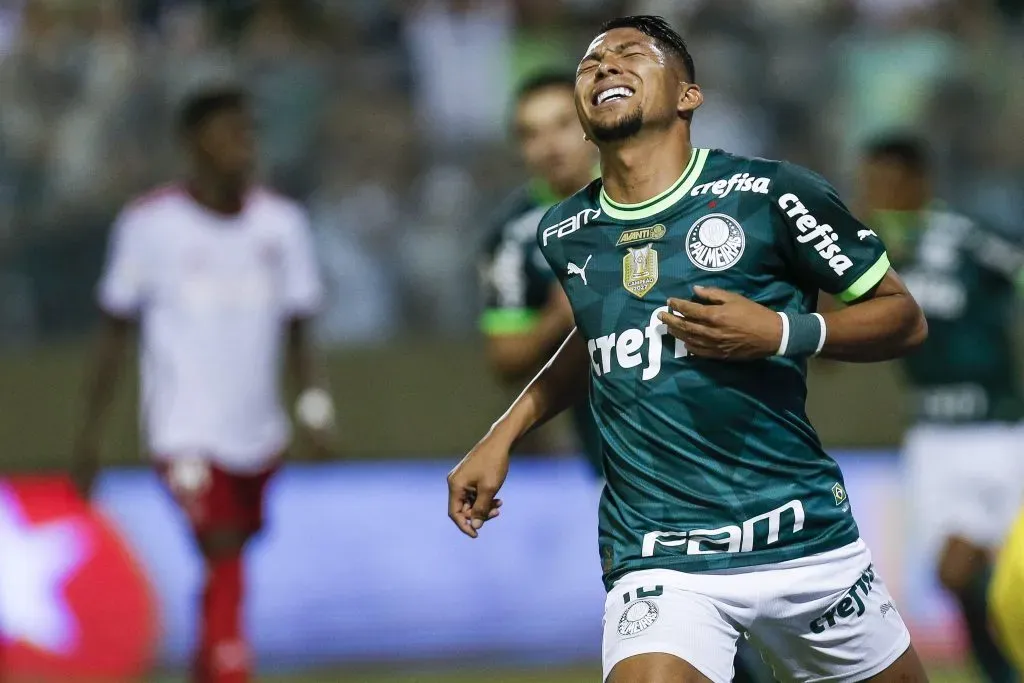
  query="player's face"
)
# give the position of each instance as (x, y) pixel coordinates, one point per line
(888, 185)
(627, 82)
(551, 139)
(226, 142)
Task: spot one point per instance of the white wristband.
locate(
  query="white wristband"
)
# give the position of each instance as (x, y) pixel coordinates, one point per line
(821, 340)
(784, 344)
(315, 408)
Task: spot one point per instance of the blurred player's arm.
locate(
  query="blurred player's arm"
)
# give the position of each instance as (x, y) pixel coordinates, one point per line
(102, 379)
(475, 481)
(1000, 255)
(303, 294)
(514, 352)
(314, 407)
(121, 293)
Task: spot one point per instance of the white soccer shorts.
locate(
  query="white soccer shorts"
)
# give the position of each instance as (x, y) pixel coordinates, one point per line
(826, 617)
(963, 480)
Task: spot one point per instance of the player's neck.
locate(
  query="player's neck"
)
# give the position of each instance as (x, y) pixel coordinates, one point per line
(641, 168)
(217, 195)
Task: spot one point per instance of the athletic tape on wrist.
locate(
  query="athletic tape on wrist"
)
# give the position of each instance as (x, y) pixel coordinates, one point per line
(802, 335)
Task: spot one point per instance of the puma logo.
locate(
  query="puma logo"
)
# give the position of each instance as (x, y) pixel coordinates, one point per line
(580, 270)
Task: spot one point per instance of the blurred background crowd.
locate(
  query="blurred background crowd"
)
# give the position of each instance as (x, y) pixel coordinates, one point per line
(388, 119)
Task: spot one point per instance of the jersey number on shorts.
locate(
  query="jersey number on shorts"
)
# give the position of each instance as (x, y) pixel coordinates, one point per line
(643, 593)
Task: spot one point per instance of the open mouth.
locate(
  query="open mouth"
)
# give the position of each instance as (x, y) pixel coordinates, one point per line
(613, 94)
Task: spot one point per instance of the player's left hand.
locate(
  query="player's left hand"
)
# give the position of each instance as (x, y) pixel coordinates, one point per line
(724, 325)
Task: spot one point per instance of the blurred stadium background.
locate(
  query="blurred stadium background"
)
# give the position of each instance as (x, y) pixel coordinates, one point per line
(387, 118)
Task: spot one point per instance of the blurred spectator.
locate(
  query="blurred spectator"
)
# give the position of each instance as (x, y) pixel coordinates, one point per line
(358, 215)
(893, 67)
(284, 66)
(10, 23)
(460, 52)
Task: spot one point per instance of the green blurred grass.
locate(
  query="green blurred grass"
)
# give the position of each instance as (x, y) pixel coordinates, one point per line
(476, 675)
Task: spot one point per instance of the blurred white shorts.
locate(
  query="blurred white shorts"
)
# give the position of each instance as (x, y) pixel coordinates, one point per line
(826, 617)
(963, 481)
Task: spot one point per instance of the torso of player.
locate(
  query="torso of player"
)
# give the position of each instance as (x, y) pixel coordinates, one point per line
(966, 371)
(709, 464)
(213, 295)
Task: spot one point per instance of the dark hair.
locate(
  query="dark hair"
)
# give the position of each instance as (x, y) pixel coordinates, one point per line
(906, 149)
(662, 33)
(201, 105)
(542, 81)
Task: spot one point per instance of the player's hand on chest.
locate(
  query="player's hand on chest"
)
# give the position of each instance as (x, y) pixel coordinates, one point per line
(703, 265)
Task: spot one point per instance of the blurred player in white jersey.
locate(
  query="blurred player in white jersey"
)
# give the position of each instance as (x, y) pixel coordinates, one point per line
(220, 278)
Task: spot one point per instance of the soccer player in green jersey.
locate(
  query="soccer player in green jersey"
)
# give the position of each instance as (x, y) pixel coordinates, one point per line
(526, 314)
(963, 454)
(722, 515)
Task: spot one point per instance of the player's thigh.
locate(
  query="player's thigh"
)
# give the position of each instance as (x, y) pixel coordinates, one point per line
(656, 632)
(655, 667)
(835, 622)
(906, 669)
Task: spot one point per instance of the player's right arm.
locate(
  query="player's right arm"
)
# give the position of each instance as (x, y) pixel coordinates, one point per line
(121, 292)
(475, 481)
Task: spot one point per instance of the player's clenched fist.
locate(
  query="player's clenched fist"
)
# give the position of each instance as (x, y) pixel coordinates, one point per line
(726, 326)
(473, 484)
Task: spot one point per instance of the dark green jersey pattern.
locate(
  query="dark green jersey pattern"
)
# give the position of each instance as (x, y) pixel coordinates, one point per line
(710, 464)
(516, 283)
(965, 278)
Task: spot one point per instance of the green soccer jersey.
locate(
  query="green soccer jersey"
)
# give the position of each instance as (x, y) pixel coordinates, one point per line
(516, 283)
(965, 278)
(710, 464)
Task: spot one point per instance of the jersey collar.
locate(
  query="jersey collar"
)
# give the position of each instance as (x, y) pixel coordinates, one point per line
(665, 200)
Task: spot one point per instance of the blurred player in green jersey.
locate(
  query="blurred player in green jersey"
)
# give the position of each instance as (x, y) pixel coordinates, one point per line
(526, 315)
(693, 277)
(964, 454)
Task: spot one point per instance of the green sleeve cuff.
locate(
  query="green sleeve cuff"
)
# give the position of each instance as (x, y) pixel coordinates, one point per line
(498, 321)
(867, 281)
